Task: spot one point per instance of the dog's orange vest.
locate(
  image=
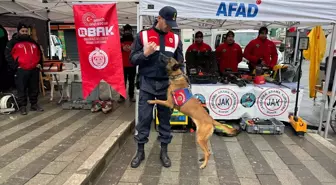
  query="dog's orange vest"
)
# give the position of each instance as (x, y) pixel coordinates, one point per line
(171, 40)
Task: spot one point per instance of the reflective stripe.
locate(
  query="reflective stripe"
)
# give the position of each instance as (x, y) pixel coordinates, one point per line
(176, 40)
(169, 49)
(144, 38)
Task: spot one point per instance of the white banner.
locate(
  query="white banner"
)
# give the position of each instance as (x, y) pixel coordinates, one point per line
(304, 11)
(228, 102)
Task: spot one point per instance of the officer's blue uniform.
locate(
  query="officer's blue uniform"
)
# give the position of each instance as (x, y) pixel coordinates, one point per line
(153, 84)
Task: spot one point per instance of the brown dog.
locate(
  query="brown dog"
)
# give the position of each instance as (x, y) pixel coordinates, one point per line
(190, 107)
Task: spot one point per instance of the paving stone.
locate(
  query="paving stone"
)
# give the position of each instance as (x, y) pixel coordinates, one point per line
(304, 175)
(274, 160)
(168, 177)
(149, 180)
(249, 181)
(319, 172)
(55, 168)
(131, 176)
(286, 177)
(40, 179)
(209, 180)
(268, 180)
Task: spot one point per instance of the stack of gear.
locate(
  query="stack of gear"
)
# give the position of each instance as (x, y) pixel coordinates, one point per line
(202, 67)
(284, 73)
(233, 78)
(261, 126)
(104, 106)
(259, 75)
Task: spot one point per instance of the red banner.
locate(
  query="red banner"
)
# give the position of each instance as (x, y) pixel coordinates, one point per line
(98, 41)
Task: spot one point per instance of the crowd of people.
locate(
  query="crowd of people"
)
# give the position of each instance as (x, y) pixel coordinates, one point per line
(229, 54)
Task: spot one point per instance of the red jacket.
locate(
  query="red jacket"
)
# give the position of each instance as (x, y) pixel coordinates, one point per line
(259, 49)
(23, 53)
(199, 47)
(126, 51)
(229, 56)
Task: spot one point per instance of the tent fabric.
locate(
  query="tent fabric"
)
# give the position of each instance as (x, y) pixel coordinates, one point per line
(61, 10)
(246, 13)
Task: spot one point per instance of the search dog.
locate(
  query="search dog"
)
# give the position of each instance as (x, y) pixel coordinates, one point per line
(192, 108)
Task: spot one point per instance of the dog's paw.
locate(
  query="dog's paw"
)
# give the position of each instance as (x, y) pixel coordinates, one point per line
(202, 166)
(151, 101)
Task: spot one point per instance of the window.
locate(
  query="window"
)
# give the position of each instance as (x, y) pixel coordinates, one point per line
(218, 40)
(243, 38)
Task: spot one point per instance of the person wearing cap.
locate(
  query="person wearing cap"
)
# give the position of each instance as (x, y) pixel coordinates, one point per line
(24, 56)
(147, 50)
(229, 54)
(261, 51)
(199, 45)
(129, 69)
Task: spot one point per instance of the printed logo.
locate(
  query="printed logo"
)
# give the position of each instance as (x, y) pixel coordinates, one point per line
(223, 101)
(180, 97)
(20, 45)
(88, 18)
(257, 45)
(273, 102)
(200, 98)
(174, 17)
(224, 50)
(98, 59)
(33, 45)
(248, 100)
(171, 40)
(236, 9)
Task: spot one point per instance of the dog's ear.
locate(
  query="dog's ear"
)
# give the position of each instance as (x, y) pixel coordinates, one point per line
(176, 66)
(164, 58)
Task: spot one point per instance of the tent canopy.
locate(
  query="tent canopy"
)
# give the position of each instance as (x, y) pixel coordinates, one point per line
(245, 14)
(61, 10)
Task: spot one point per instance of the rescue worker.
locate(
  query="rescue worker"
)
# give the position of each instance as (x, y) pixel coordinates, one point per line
(129, 69)
(229, 54)
(24, 57)
(146, 51)
(199, 45)
(261, 50)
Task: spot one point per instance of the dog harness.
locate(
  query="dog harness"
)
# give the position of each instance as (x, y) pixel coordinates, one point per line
(181, 96)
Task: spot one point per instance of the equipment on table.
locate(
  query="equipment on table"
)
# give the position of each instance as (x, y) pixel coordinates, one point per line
(284, 73)
(8, 103)
(299, 125)
(202, 67)
(232, 77)
(261, 126)
(259, 75)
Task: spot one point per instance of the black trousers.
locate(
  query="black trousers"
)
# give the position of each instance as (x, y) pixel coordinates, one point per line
(27, 81)
(129, 75)
(145, 119)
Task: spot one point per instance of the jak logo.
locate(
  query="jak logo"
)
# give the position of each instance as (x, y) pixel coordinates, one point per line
(235, 9)
(223, 102)
(273, 102)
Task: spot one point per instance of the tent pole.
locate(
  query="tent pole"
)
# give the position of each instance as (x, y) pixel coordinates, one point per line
(325, 87)
(49, 33)
(296, 44)
(331, 103)
(139, 28)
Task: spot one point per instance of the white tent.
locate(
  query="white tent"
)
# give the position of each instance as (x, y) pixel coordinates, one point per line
(61, 10)
(251, 14)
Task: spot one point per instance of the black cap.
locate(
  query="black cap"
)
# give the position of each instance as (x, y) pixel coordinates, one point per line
(169, 14)
(127, 27)
(21, 25)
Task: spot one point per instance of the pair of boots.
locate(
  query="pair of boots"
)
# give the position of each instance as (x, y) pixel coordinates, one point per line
(140, 156)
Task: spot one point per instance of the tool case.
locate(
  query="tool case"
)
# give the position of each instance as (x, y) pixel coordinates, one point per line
(260, 126)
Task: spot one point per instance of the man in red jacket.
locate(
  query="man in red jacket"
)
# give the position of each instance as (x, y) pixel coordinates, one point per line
(24, 56)
(129, 69)
(199, 45)
(229, 54)
(261, 50)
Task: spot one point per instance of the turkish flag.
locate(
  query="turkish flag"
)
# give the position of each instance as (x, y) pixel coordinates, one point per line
(98, 41)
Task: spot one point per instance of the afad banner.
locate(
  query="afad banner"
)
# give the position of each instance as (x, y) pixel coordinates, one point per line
(98, 43)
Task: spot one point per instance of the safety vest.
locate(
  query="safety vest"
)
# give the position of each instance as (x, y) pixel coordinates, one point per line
(171, 40)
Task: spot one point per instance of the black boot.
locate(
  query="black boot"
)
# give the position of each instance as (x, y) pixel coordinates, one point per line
(164, 156)
(23, 110)
(36, 107)
(139, 157)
